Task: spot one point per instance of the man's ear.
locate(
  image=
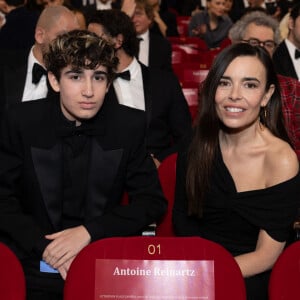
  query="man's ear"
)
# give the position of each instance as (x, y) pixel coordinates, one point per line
(53, 82)
(119, 41)
(39, 35)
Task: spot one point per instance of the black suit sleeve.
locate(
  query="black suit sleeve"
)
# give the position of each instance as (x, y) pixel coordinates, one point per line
(18, 225)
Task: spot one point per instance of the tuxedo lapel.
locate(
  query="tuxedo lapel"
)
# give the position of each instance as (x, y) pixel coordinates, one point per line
(147, 93)
(287, 64)
(14, 83)
(48, 166)
(102, 173)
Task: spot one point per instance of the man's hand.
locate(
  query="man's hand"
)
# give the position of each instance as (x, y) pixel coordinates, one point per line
(65, 246)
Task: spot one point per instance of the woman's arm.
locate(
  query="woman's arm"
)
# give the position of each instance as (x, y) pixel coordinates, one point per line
(262, 258)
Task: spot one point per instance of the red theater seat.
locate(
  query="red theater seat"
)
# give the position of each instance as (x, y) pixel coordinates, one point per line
(80, 282)
(12, 279)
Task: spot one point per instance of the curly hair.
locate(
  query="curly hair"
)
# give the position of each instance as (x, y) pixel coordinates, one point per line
(115, 22)
(80, 49)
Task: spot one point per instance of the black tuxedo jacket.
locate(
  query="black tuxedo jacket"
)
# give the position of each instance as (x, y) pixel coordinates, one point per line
(160, 52)
(167, 112)
(19, 30)
(31, 176)
(13, 72)
(283, 62)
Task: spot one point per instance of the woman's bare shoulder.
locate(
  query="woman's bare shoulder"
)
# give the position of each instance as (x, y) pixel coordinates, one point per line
(281, 162)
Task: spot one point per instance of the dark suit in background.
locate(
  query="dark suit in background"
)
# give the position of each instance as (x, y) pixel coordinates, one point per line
(35, 197)
(18, 31)
(160, 52)
(282, 61)
(167, 112)
(13, 73)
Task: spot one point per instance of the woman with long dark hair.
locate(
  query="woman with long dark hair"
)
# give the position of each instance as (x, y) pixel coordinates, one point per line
(237, 178)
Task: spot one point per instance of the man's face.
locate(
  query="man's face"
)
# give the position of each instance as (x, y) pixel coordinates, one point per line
(82, 91)
(260, 33)
(294, 34)
(141, 21)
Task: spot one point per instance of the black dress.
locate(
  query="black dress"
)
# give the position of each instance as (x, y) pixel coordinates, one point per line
(234, 219)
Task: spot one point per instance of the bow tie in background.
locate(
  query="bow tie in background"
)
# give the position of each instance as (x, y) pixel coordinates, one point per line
(297, 54)
(124, 75)
(37, 72)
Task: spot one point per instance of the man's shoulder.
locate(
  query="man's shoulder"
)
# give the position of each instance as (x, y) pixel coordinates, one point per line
(122, 114)
(279, 49)
(31, 110)
(288, 82)
(13, 59)
(290, 89)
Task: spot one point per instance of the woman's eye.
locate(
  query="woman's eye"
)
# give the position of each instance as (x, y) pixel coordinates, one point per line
(251, 85)
(224, 83)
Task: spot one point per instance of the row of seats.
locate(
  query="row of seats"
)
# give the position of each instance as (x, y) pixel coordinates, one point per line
(191, 61)
(227, 283)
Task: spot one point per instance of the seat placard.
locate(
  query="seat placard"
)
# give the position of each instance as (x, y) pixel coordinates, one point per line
(154, 279)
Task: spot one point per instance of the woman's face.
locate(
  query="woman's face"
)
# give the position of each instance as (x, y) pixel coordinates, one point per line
(242, 92)
(216, 7)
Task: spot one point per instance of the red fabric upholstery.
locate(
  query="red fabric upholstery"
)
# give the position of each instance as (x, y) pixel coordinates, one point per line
(167, 177)
(285, 276)
(12, 280)
(80, 282)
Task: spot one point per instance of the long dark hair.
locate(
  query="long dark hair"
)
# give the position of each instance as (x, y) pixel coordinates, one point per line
(204, 145)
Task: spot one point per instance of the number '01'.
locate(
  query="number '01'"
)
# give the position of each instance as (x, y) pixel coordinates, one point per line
(153, 249)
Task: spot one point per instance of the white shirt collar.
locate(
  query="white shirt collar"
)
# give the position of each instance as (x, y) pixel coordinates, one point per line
(144, 36)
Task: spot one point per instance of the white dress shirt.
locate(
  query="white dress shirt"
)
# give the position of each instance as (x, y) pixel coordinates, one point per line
(296, 62)
(34, 91)
(100, 5)
(144, 48)
(131, 92)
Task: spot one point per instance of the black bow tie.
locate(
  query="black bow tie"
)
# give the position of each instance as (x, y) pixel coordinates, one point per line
(68, 131)
(297, 54)
(37, 72)
(124, 75)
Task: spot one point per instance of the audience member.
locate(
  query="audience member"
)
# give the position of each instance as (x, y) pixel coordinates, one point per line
(156, 92)
(238, 180)
(287, 54)
(65, 163)
(164, 20)
(257, 28)
(23, 76)
(17, 33)
(78, 12)
(212, 24)
(155, 50)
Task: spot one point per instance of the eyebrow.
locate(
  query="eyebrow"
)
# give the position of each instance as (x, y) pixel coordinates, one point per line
(244, 79)
(97, 72)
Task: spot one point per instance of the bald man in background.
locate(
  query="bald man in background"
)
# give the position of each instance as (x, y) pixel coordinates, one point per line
(23, 76)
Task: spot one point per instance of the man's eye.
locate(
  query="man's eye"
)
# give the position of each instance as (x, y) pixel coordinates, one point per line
(75, 77)
(100, 77)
